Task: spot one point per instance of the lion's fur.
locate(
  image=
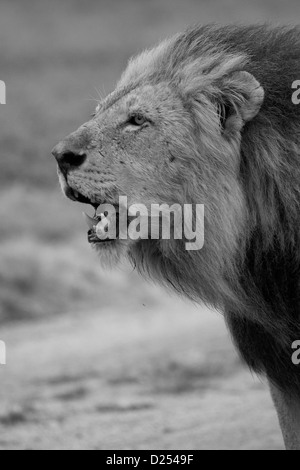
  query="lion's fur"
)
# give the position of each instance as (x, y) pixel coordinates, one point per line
(247, 175)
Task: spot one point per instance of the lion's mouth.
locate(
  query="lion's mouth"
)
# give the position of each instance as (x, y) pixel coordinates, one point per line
(107, 227)
(99, 227)
(99, 224)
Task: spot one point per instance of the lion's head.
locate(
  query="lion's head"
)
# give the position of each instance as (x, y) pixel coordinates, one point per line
(170, 134)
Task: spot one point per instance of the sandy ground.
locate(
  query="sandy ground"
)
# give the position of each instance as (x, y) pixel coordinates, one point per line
(164, 378)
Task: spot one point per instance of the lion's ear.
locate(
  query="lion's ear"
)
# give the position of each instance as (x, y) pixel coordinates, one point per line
(241, 97)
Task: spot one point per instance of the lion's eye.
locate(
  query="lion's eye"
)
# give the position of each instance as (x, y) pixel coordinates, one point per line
(137, 120)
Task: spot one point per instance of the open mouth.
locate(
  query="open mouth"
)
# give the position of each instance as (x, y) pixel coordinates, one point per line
(99, 226)
(107, 227)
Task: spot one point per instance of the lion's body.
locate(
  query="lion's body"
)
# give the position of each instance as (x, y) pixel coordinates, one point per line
(220, 104)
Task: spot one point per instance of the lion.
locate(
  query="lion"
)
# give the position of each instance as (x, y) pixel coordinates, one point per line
(207, 117)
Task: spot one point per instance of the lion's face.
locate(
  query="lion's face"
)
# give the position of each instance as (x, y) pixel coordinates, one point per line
(134, 146)
(167, 135)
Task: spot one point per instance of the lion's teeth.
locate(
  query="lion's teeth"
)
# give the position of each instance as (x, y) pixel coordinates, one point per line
(76, 194)
(102, 227)
(99, 217)
(89, 220)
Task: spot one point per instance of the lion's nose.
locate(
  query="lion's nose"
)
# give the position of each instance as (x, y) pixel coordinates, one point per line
(68, 158)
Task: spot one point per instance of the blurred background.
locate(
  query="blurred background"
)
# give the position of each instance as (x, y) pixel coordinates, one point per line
(101, 360)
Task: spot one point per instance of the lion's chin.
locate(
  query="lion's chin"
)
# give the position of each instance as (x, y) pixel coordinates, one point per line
(112, 253)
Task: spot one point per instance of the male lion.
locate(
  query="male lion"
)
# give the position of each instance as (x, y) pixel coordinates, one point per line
(207, 118)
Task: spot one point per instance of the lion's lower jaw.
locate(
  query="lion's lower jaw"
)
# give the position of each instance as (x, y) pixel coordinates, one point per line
(111, 254)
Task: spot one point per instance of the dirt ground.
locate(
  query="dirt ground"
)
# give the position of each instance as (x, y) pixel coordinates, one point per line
(149, 379)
